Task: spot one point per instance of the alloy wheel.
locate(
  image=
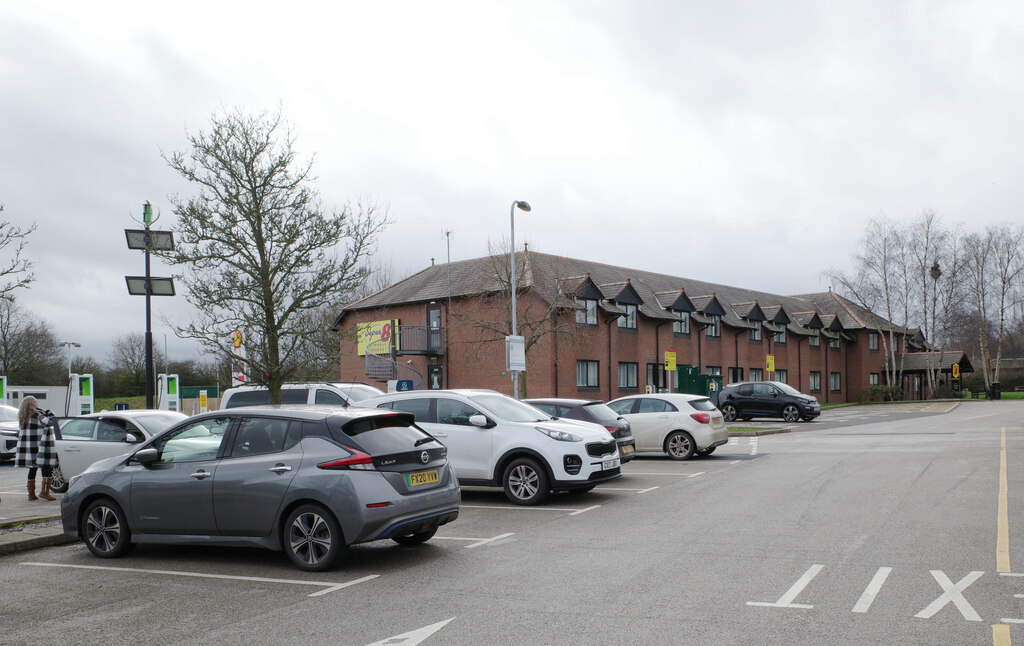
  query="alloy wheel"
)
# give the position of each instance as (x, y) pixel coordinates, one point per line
(102, 529)
(310, 538)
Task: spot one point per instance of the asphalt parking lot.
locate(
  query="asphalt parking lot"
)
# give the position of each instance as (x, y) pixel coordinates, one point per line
(867, 532)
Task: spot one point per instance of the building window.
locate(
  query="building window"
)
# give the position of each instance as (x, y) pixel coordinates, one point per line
(873, 379)
(815, 341)
(873, 341)
(815, 381)
(833, 382)
(834, 343)
(588, 314)
(713, 370)
(629, 320)
(756, 374)
(682, 326)
(714, 330)
(586, 374)
(755, 334)
(780, 337)
(735, 375)
(627, 374)
(655, 375)
(782, 375)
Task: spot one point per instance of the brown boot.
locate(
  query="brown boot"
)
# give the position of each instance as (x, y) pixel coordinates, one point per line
(32, 490)
(44, 491)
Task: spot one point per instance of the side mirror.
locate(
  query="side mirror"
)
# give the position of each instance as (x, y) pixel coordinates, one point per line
(147, 456)
(132, 438)
(480, 421)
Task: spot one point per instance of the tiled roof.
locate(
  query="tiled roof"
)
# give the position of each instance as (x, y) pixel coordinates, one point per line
(920, 361)
(555, 278)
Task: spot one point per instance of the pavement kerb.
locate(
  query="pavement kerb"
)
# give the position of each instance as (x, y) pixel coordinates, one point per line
(30, 539)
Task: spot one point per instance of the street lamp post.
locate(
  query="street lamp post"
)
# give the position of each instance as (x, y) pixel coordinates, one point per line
(69, 345)
(524, 206)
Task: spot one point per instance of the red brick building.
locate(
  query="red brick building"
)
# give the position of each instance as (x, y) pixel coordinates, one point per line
(600, 331)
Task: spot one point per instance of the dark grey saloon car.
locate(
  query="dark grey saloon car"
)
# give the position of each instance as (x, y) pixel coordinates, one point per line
(309, 480)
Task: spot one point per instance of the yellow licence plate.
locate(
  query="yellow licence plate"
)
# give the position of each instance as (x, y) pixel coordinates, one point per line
(628, 448)
(421, 478)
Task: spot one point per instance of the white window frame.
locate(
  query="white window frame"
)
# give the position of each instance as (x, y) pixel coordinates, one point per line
(588, 315)
(755, 334)
(682, 326)
(714, 330)
(587, 368)
(815, 341)
(814, 381)
(629, 320)
(756, 374)
(835, 382)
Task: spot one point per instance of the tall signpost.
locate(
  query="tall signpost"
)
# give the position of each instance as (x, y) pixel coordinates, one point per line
(148, 240)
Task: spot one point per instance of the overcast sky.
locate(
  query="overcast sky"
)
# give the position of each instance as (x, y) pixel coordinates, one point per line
(745, 143)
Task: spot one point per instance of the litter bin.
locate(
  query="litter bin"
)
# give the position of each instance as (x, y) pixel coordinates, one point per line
(997, 391)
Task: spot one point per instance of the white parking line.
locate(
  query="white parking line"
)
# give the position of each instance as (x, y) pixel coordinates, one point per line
(673, 475)
(621, 489)
(489, 540)
(580, 511)
(694, 475)
(648, 489)
(517, 508)
(329, 587)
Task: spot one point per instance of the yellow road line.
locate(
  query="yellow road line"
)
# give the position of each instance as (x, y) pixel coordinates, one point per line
(1001, 635)
(1003, 537)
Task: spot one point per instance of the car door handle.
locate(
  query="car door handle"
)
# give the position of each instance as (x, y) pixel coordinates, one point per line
(201, 475)
(440, 434)
(280, 468)
(72, 449)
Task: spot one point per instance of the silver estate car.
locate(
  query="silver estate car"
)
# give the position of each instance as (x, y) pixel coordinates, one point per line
(309, 480)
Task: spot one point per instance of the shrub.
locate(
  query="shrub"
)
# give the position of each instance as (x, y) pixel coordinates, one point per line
(882, 394)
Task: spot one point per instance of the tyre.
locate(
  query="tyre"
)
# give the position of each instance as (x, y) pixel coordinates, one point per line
(105, 529)
(417, 538)
(312, 538)
(729, 412)
(707, 451)
(790, 413)
(679, 445)
(57, 482)
(525, 482)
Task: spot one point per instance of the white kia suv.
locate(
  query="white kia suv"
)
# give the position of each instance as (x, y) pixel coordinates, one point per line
(494, 440)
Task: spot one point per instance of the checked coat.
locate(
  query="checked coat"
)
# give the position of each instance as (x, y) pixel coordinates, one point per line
(36, 444)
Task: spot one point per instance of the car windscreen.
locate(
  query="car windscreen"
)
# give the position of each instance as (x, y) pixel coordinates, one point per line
(359, 392)
(381, 435)
(153, 424)
(510, 410)
(702, 404)
(601, 412)
(789, 390)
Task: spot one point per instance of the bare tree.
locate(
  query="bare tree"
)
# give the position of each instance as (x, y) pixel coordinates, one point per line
(16, 272)
(261, 253)
(880, 281)
(127, 363)
(29, 353)
(1008, 270)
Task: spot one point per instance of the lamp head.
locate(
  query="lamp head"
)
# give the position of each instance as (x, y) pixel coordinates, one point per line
(523, 205)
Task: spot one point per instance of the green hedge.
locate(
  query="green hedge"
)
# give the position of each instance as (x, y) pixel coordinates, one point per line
(882, 394)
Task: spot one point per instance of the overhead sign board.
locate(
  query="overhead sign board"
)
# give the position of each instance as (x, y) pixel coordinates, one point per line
(377, 336)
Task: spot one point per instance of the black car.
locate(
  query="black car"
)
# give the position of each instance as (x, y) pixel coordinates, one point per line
(766, 399)
(595, 412)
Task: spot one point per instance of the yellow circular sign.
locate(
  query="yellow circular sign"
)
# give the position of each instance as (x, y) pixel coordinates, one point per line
(956, 371)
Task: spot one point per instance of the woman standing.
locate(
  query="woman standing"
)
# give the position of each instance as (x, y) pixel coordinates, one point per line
(37, 447)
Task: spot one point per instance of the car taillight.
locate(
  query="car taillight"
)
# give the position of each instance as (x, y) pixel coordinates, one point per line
(358, 460)
(612, 430)
(702, 418)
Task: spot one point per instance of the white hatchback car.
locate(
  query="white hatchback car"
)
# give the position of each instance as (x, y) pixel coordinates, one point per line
(673, 423)
(494, 440)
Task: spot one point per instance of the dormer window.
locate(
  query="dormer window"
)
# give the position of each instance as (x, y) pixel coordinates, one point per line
(682, 326)
(755, 334)
(629, 320)
(588, 315)
(834, 343)
(815, 340)
(780, 337)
